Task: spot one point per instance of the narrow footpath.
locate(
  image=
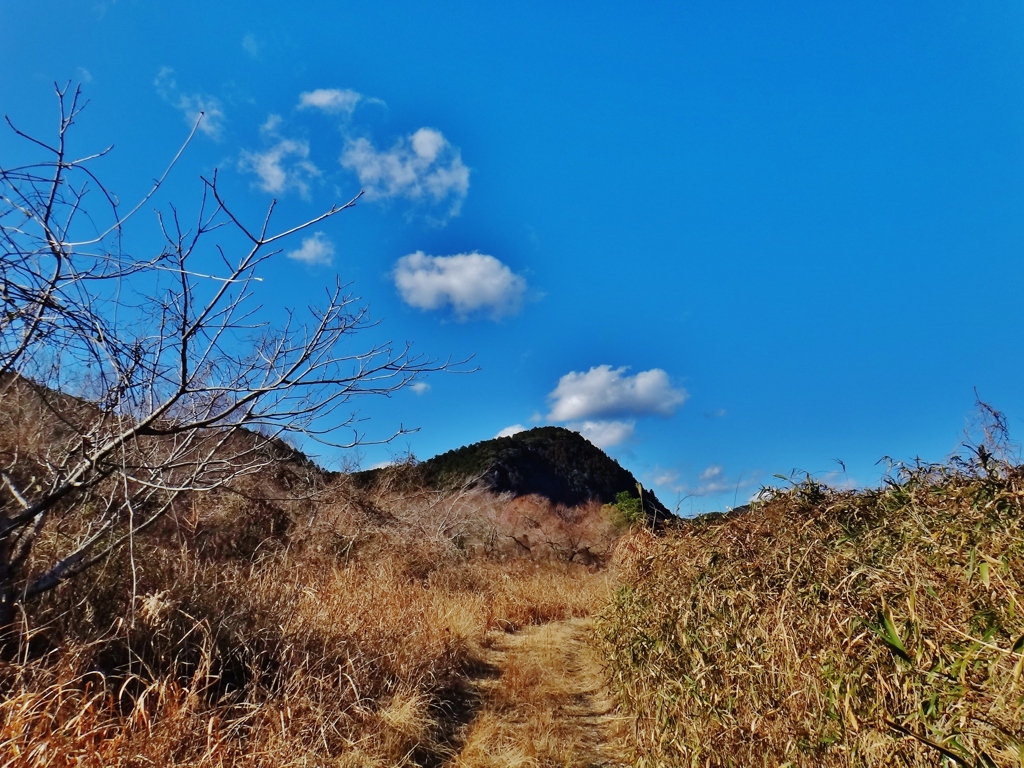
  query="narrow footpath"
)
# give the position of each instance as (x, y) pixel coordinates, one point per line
(545, 704)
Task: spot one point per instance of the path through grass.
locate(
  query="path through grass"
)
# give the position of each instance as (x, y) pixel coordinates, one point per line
(544, 703)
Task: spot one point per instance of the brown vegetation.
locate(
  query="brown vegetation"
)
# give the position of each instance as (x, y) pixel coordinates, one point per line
(129, 380)
(547, 704)
(340, 629)
(827, 628)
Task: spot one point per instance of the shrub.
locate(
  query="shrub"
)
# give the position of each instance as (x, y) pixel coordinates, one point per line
(627, 510)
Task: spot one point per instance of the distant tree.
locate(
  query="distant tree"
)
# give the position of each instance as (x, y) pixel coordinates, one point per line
(127, 381)
(630, 508)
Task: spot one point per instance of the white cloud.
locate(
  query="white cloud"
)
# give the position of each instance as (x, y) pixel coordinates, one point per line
(191, 105)
(420, 387)
(515, 429)
(607, 391)
(251, 45)
(315, 249)
(270, 126)
(838, 481)
(282, 167)
(712, 480)
(332, 100)
(605, 434)
(668, 478)
(420, 167)
(466, 281)
(712, 473)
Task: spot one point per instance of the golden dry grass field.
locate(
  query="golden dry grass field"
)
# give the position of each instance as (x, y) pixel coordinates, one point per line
(307, 620)
(357, 639)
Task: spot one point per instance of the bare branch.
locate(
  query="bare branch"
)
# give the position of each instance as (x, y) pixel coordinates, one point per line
(149, 379)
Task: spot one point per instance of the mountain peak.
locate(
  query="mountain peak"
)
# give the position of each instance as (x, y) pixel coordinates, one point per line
(552, 462)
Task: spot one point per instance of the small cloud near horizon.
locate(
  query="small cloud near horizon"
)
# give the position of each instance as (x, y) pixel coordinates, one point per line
(331, 100)
(515, 429)
(251, 45)
(712, 480)
(667, 479)
(839, 480)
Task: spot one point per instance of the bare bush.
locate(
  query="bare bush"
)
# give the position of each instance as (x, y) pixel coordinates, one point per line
(127, 381)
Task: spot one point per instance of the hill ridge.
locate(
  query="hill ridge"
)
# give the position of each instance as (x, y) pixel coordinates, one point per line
(549, 461)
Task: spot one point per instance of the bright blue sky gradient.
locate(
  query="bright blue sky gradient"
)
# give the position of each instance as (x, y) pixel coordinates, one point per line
(809, 218)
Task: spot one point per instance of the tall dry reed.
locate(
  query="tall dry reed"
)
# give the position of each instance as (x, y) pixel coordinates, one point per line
(825, 628)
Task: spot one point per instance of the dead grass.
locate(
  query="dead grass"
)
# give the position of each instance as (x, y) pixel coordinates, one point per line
(344, 634)
(546, 705)
(826, 628)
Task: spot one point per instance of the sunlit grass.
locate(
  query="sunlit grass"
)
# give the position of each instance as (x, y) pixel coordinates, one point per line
(353, 642)
(832, 628)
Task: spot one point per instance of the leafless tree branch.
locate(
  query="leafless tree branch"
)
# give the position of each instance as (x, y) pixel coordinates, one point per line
(150, 377)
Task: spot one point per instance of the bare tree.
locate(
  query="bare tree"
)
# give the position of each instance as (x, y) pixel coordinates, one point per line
(128, 381)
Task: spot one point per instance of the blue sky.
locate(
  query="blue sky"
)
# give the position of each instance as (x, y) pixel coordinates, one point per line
(724, 240)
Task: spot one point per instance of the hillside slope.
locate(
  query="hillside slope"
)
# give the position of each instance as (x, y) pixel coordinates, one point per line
(555, 463)
(546, 494)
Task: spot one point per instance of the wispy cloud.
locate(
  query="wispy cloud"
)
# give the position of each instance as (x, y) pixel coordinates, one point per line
(610, 392)
(191, 105)
(515, 429)
(668, 478)
(251, 45)
(467, 282)
(605, 434)
(331, 100)
(315, 249)
(420, 387)
(423, 167)
(282, 166)
(838, 480)
(713, 480)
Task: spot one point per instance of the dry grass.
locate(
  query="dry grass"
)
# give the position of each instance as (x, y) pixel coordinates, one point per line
(827, 628)
(350, 641)
(547, 706)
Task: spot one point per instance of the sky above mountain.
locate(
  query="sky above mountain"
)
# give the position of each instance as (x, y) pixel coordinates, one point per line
(721, 240)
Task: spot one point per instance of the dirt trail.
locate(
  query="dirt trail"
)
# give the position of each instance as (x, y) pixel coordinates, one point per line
(545, 704)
